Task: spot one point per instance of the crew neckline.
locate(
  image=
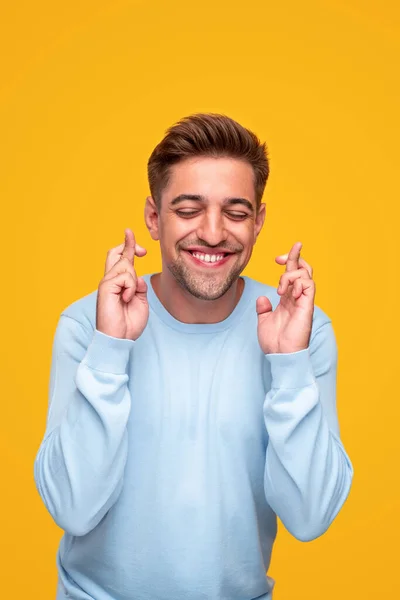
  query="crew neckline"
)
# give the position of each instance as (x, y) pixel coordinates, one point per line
(169, 320)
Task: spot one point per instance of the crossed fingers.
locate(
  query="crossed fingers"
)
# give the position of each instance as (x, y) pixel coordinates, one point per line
(126, 250)
(298, 272)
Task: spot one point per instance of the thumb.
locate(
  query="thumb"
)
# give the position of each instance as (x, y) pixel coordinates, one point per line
(263, 305)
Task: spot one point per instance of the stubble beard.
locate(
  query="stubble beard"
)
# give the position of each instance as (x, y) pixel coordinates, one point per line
(204, 287)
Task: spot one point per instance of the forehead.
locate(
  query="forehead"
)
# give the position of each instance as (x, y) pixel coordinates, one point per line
(214, 178)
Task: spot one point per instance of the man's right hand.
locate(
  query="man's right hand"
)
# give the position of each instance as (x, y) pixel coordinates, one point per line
(122, 309)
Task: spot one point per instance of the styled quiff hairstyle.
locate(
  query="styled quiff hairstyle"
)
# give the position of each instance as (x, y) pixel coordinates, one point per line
(206, 134)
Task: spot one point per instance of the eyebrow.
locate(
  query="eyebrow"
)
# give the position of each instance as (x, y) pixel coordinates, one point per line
(198, 198)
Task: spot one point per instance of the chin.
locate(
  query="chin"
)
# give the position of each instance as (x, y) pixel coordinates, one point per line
(203, 287)
(207, 292)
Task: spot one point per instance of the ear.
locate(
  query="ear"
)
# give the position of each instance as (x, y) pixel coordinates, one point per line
(260, 218)
(151, 217)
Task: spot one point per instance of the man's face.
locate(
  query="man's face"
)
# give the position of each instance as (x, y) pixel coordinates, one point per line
(207, 240)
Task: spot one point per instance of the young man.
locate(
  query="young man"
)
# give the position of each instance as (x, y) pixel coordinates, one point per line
(190, 408)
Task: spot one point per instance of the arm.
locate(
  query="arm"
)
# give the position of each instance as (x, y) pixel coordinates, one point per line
(307, 472)
(80, 463)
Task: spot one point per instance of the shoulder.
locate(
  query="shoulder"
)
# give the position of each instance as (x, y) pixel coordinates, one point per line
(83, 310)
(259, 288)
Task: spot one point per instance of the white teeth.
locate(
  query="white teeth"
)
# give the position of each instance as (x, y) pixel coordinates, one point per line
(208, 257)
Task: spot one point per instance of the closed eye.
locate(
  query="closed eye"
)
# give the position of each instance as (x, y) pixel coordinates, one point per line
(237, 216)
(187, 213)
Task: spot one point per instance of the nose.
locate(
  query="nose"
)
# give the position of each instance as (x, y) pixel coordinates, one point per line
(211, 228)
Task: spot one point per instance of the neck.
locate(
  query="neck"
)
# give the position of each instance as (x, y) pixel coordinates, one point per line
(186, 308)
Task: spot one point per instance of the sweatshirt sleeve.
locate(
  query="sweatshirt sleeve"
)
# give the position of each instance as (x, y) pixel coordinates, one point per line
(80, 463)
(308, 474)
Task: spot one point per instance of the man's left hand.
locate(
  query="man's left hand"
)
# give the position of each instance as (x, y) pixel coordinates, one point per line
(288, 327)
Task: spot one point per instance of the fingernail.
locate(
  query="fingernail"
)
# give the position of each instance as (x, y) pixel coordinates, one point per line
(283, 255)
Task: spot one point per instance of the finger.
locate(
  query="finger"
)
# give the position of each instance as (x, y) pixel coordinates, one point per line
(306, 266)
(141, 288)
(292, 262)
(128, 250)
(303, 286)
(297, 289)
(138, 249)
(281, 259)
(302, 263)
(115, 254)
(122, 281)
(289, 277)
(129, 246)
(123, 265)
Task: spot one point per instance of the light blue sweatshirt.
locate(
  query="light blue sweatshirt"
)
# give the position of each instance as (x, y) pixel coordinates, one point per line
(166, 460)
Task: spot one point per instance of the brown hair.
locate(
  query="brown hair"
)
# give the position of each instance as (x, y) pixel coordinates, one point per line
(206, 134)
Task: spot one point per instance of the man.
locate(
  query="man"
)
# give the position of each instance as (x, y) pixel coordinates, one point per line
(190, 408)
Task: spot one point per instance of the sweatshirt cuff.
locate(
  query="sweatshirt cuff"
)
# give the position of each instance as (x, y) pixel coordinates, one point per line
(108, 354)
(292, 369)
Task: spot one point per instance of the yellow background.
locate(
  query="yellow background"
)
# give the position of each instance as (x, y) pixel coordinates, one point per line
(87, 90)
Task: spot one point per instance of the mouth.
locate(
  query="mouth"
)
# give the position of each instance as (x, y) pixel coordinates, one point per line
(209, 260)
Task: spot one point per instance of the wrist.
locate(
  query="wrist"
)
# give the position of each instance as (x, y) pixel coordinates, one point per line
(292, 369)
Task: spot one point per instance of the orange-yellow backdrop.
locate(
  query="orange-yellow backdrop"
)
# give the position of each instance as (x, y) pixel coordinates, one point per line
(87, 90)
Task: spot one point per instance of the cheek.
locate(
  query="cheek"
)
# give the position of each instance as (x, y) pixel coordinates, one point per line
(184, 229)
(173, 232)
(247, 236)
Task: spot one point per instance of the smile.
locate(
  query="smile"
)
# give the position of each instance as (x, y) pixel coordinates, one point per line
(208, 260)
